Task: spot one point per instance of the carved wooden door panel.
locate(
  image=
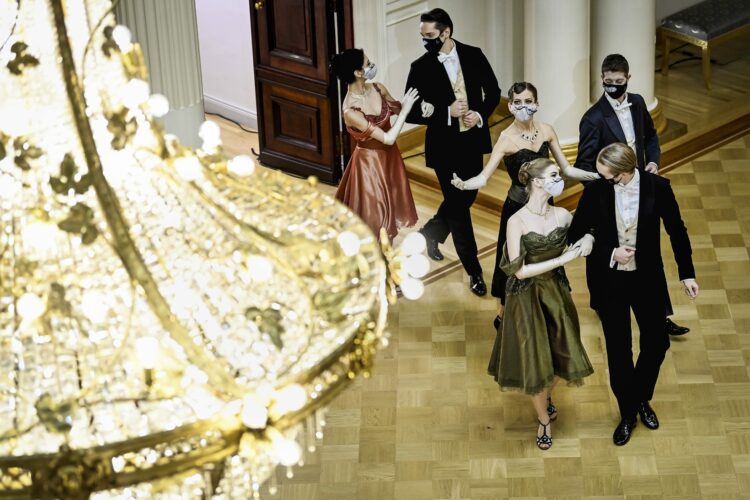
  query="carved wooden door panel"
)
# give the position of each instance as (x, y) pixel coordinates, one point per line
(298, 111)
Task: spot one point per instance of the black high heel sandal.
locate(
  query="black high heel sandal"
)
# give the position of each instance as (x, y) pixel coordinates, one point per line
(551, 409)
(544, 442)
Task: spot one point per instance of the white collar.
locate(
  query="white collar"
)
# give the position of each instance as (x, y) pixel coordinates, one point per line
(453, 54)
(617, 105)
(634, 183)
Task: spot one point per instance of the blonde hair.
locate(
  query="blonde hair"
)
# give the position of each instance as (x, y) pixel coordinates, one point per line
(532, 169)
(618, 157)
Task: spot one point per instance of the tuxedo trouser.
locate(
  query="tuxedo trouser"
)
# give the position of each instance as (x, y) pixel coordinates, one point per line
(633, 383)
(454, 215)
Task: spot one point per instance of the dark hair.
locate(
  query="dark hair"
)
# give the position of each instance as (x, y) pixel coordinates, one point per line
(615, 63)
(438, 16)
(519, 87)
(344, 65)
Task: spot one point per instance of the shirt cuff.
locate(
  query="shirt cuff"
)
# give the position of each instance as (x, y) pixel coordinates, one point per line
(612, 262)
(449, 116)
(481, 120)
(687, 279)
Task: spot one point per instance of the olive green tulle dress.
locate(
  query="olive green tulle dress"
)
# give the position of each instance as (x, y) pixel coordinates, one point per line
(540, 336)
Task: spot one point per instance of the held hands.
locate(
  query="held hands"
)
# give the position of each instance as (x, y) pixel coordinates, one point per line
(624, 254)
(427, 109)
(586, 244)
(573, 253)
(476, 182)
(459, 108)
(691, 288)
(407, 102)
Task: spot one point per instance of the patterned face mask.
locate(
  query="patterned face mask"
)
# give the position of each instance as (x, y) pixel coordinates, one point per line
(524, 112)
(370, 71)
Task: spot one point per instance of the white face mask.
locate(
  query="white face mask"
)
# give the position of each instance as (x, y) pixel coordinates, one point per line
(523, 113)
(370, 71)
(554, 186)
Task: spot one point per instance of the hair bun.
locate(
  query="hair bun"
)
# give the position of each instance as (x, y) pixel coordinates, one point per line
(523, 174)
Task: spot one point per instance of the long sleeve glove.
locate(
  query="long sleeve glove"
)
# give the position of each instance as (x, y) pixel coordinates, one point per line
(579, 174)
(476, 182)
(406, 104)
(586, 244)
(537, 268)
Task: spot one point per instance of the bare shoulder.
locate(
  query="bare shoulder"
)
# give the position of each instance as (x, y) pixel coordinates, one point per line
(563, 215)
(382, 88)
(505, 143)
(515, 222)
(548, 131)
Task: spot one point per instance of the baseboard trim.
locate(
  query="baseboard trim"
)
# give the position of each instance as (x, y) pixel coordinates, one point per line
(244, 116)
(674, 154)
(694, 144)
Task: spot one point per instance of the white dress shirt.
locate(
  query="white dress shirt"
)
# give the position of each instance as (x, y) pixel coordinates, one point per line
(627, 202)
(451, 64)
(625, 117)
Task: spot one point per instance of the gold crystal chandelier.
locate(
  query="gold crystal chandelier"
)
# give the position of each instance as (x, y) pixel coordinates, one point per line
(172, 323)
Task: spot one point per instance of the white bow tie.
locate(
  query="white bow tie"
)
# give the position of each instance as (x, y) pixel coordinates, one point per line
(451, 56)
(626, 188)
(623, 105)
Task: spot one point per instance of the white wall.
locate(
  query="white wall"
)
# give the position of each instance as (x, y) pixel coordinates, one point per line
(227, 59)
(665, 8)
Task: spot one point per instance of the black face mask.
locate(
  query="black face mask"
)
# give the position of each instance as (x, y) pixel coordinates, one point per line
(615, 91)
(612, 181)
(433, 45)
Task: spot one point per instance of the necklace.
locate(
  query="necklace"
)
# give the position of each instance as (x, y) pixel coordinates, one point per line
(543, 213)
(362, 95)
(530, 137)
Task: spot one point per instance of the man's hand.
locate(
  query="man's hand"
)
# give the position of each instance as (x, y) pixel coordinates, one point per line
(427, 109)
(624, 254)
(691, 288)
(471, 118)
(459, 108)
(652, 168)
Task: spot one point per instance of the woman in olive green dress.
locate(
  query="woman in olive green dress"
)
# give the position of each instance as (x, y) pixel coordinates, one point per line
(539, 339)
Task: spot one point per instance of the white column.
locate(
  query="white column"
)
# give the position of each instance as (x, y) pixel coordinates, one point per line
(168, 34)
(556, 61)
(627, 28)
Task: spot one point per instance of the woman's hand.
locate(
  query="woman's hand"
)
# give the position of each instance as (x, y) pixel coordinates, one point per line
(573, 253)
(476, 182)
(407, 102)
(586, 244)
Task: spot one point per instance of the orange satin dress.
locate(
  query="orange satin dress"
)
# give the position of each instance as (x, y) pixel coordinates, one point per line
(374, 185)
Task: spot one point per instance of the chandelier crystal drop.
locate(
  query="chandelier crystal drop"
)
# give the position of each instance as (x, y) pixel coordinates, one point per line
(172, 322)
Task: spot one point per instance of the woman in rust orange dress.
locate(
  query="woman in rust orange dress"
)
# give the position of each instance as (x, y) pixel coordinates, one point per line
(374, 184)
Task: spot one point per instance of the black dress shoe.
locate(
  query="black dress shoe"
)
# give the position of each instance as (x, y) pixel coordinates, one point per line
(433, 251)
(648, 415)
(623, 431)
(477, 285)
(675, 329)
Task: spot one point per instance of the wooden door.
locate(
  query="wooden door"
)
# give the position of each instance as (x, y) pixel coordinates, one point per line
(298, 110)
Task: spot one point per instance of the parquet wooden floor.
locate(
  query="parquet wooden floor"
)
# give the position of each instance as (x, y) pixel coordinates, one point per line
(431, 424)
